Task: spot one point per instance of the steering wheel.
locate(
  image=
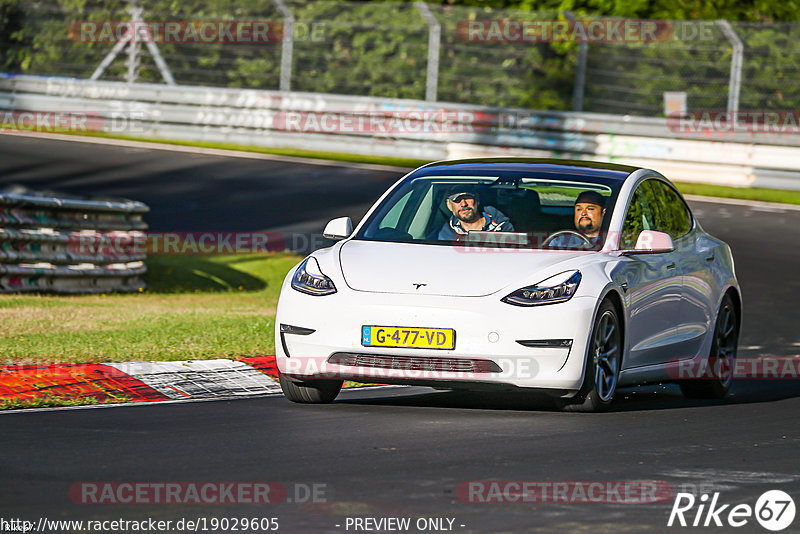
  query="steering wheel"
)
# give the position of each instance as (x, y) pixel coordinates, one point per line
(549, 239)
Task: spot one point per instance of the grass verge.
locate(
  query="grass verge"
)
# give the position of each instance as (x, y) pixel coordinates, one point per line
(195, 307)
(49, 402)
(740, 193)
(409, 163)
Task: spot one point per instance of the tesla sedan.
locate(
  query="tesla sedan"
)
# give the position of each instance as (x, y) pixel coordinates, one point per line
(567, 278)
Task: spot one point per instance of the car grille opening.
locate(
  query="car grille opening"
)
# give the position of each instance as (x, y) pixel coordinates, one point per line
(415, 363)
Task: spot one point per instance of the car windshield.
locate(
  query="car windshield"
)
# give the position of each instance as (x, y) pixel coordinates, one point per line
(494, 211)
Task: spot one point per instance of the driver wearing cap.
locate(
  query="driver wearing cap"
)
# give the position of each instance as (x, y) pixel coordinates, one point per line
(468, 214)
(589, 213)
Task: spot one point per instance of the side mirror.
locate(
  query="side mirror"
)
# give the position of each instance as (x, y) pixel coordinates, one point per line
(652, 242)
(337, 229)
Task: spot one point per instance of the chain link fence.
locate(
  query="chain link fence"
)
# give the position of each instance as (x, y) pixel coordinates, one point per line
(436, 52)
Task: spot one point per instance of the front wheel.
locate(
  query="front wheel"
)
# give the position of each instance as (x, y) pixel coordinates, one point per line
(603, 363)
(310, 392)
(721, 359)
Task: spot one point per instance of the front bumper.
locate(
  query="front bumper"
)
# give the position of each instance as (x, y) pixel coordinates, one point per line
(487, 330)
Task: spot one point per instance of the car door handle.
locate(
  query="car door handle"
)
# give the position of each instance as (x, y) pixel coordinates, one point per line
(710, 258)
(671, 265)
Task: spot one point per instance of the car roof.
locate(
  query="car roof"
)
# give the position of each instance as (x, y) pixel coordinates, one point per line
(534, 166)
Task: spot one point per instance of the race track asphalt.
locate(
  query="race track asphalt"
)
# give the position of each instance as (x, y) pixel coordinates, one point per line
(402, 452)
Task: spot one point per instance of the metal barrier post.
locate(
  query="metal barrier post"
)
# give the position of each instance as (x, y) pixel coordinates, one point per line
(434, 45)
(134, 47)
(735, 84)
(580, 70)
(287, 45)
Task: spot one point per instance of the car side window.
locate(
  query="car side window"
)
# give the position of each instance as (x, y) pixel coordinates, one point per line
(639, 216)
(672, 214)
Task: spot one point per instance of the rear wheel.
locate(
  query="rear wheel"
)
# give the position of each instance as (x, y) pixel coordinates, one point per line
(310, 392)
(721, 359)
(603, 364)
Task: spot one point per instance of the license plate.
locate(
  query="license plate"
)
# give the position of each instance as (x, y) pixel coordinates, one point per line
(412, 338)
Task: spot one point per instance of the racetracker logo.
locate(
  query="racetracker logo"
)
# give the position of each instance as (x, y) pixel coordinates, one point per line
(725, 122)
(177, 493)
(115, 122)
(120, 243)
(51, 121)
(186, 32)
(769, 368)
(566, 492)
(372, 368)
(549, 31)
(197, 493)
(436, 121)
(524, 242)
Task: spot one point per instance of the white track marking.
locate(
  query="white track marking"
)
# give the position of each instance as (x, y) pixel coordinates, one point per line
(201, 379)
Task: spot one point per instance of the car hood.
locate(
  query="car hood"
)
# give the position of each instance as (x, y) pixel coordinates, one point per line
(440, 269)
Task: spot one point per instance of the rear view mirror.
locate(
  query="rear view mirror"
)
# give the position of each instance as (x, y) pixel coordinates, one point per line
(338, 229)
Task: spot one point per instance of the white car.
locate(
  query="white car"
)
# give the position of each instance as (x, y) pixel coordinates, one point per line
(519, 296)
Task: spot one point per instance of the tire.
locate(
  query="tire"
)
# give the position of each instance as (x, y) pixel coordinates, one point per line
(720, 358)
(603, 363)
(311, 392)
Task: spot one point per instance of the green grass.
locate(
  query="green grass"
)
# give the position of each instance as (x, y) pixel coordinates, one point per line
(195, 307)
(51, 401)
(409, 163)
(741, 193)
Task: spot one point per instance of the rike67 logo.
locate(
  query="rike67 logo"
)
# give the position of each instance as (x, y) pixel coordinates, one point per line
(774, 510)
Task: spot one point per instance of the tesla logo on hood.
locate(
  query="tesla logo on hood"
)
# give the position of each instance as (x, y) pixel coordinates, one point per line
(417, 286)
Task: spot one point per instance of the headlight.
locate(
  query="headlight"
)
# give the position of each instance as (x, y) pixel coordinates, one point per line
(558, 288)
(309, 279)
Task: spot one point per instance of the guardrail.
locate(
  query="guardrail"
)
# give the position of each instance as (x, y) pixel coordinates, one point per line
(69, 244)
(430, 131)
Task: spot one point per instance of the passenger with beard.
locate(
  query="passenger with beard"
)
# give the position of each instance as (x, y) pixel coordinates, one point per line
(589, 213)
(468, 214)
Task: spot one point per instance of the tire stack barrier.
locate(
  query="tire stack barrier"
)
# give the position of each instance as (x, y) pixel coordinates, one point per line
(70, 244)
